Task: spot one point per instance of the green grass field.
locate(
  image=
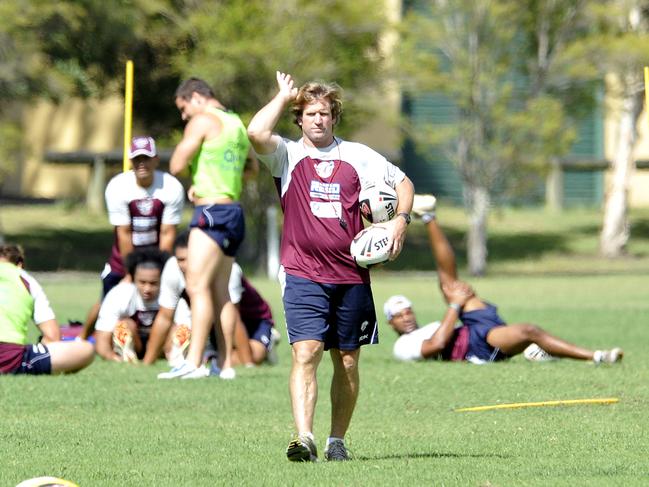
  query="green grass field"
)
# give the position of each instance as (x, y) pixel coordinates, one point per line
(117, 425)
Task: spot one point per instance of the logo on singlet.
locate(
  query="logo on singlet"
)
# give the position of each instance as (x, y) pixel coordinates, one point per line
(145, 207)
(324, 168)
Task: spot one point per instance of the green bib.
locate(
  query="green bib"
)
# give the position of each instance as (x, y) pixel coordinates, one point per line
(217, 167)
(16, 305)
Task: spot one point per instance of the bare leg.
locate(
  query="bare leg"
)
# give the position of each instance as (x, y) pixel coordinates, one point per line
(513, 339)
(242, 352)
(205, 268)
(303, 384)
(70, 356)
(344, 389)
(443, 252)
(225, 329)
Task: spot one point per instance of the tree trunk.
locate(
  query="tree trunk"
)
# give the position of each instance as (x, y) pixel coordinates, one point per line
(615, 229)
(478, 204)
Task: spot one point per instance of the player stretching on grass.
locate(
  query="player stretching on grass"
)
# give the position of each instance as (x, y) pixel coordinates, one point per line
(327, 299)
(483, 336)
(255, 336)
(145, 206)
(22, 301)
(215, 147)
(129, 309)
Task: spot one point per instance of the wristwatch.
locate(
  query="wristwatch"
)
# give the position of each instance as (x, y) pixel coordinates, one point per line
(406, 217)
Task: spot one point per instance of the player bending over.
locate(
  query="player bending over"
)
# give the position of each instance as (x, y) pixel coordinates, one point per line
(145, 206)
(22, 300)
(484, 335)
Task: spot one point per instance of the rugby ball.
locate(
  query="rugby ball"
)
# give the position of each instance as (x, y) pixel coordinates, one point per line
(378, 202)
(371, 246)
(46, 482)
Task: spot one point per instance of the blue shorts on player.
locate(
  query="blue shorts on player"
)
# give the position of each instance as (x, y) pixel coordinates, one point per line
(479, 323)
(340, 315)
(225, 224)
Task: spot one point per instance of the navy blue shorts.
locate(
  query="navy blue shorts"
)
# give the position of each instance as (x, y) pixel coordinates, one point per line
(223, 223)
(260, 331)
(480, 322)
(36, 360)
(340, 315)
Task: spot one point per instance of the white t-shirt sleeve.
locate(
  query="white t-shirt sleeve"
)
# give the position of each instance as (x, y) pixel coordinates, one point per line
(235, 286)
(408, 346)
(276, 161)
(115, 307)
(42, 310)
(116, 203)
(183, 315)
(173, 210)
(172, 284)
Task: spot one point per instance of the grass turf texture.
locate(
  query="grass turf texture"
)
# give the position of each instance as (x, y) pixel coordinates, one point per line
(115, 424)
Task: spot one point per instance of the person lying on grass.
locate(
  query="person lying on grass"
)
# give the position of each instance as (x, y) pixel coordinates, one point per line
(483, 336)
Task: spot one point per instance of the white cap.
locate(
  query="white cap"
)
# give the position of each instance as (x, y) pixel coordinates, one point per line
(395, 304)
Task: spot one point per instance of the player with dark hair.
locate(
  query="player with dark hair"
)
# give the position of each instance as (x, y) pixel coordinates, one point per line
(22, 300)
(145, 206)
(215, 148)
(255, 336)
(483, 337)
(128, 311)
(327, 298)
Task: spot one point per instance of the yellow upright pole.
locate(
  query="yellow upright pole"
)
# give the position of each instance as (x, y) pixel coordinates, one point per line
(646, 90)
(128, 112)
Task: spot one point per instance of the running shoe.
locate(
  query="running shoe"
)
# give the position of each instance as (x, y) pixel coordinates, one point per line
(271, 355)
(181, 370)
(302, 449)
(336, 451)
(608, 356)
(534, 353)
(227, 374)
(179, 344)
(123, 342)
(423, 204)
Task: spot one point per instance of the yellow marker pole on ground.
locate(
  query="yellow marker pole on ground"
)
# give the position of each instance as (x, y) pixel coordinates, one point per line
(128, 113)
(517, 405)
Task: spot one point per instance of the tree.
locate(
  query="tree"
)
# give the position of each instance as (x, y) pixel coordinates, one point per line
(617, 49)
(495, 62)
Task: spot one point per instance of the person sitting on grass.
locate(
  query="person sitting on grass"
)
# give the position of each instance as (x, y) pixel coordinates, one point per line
(129, 309)
(23, 300)
(484, 335)
(255, 336)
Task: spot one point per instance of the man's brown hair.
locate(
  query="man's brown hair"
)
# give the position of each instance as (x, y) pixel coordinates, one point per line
(194, 85)
(315, 90)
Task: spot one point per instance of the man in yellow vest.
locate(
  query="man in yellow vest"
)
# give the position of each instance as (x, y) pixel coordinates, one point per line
(22, 300)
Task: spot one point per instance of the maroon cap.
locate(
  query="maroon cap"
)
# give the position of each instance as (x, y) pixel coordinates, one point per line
(142, 146)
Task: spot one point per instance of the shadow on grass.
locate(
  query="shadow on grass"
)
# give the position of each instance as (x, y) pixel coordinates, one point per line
(402, 456)
(64, 249)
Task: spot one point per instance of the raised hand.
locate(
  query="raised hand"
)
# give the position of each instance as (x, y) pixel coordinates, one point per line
(285, 83)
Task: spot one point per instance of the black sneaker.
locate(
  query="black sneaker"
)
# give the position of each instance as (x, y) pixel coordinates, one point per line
(336, 452)
(302, 449)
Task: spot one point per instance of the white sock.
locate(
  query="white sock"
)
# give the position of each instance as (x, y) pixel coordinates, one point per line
(309, 434)
(331, 439)
(597, 356)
